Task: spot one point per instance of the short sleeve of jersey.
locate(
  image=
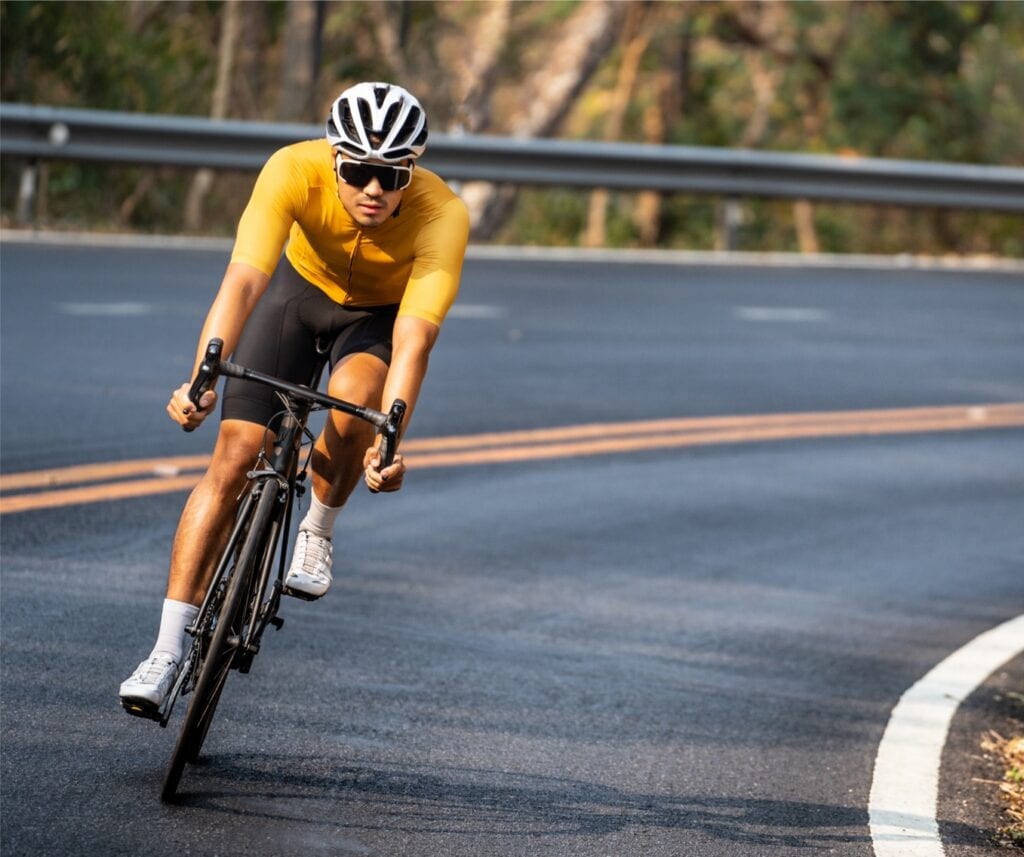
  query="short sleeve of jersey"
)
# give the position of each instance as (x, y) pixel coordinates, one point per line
(278, 196)
(440, 250)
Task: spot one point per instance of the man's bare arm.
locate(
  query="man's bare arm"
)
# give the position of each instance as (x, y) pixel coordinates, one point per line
(241, 288)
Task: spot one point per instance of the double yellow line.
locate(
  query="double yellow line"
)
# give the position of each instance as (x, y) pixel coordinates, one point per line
(90, 483)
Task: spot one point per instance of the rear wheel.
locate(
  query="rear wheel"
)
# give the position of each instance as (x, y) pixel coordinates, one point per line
(217, 657)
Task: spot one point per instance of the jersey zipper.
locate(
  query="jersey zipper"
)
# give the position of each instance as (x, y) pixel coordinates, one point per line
(352, 258)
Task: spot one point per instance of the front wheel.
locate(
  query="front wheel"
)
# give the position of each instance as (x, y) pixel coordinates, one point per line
(227, 632)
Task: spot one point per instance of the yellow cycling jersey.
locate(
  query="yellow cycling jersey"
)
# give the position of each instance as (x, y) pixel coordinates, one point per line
(414, 259)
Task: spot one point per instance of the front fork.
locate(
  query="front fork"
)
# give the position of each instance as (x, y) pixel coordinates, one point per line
(264, 609)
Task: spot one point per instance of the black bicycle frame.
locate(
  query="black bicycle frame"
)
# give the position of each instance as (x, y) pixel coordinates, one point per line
(279, 473)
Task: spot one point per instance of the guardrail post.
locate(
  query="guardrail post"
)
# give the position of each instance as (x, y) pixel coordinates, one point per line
(25, 211)
(730, 223)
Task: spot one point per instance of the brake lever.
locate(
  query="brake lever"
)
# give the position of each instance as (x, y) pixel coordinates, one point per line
(206, 375)
(389, 433)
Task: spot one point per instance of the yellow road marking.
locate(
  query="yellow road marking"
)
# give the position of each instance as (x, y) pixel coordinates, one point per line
(95, 472)
(95, 493)
(165, 475)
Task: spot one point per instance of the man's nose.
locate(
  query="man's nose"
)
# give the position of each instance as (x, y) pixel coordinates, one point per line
(373, 188)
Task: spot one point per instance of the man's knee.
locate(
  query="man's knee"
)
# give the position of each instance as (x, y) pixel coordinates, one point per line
(238, 444)
(359, 378)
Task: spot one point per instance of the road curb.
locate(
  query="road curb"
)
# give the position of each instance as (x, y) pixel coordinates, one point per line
(487, 252)
(905, 785)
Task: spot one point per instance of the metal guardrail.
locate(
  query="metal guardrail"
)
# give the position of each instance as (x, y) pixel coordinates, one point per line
(55, 133)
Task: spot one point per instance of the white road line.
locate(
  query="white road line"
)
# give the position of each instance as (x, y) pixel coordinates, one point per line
(741, 258)
(106, 308)
(905, 787)
(781, 314)
(476, 311)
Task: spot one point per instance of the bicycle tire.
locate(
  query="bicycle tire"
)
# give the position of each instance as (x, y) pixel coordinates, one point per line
(213, 671)
(251, 607)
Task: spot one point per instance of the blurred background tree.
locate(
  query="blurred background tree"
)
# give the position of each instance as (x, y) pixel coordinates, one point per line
(919, 80)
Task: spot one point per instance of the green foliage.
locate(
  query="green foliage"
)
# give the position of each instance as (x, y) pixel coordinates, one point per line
(549, 217)
(919, 80)
(926, 88)
(689, 222)
(116, 56)
(141, 57)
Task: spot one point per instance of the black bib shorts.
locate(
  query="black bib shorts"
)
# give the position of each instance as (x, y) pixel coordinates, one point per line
(280, 339)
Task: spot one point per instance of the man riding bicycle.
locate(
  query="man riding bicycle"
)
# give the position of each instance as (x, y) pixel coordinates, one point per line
(374, 254)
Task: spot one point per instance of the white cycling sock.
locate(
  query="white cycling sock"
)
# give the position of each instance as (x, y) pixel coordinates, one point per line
(176, 617)
(319, 519)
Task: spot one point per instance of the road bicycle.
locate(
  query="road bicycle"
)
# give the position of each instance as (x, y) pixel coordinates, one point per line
(245, 591)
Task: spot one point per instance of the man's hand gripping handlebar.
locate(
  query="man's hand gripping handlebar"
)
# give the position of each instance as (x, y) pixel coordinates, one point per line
(206, 378)
(383, 470)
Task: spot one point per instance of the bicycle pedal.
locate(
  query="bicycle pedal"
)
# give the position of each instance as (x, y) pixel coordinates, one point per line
(277, 622)
(243, 662)
(139, 708)
(302, 596)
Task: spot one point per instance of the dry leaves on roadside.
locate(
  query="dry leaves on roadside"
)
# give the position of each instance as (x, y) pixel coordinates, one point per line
(1011, 752)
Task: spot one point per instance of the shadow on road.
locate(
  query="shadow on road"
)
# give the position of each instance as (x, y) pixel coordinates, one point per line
(414, 800)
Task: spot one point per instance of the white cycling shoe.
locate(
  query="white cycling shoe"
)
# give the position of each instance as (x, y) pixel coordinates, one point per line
(145, 690)
(309, 575)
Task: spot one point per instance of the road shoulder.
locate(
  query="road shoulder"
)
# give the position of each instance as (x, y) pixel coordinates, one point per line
(970, 809)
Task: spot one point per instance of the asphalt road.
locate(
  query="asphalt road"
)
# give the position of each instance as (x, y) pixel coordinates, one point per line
(686, 651)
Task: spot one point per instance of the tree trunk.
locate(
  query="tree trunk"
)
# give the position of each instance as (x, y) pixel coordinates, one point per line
(303, 27)
(253, 78)
(765, 84)
(390, 24)
(638, 37)
(144, 185)
(768, 29)
(806, 231)
(203, 180)
(671, 98)
(585, 40)
(549, 95)
(647, 209)
(474, 57)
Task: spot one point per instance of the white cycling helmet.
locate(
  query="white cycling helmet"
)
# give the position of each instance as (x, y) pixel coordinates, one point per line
(378, 120)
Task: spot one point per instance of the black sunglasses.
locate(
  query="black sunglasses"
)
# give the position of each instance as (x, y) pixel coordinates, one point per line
(359, 174)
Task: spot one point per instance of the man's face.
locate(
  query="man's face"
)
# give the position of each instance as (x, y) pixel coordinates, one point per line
(369, 205)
